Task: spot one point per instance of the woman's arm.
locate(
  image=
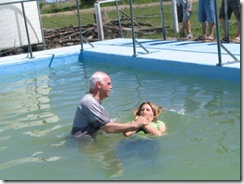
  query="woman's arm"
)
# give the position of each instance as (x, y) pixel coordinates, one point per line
(163, 128)
(154, 131)
(129, 133)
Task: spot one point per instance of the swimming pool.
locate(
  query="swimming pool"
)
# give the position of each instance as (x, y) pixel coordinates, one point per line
(38, 105)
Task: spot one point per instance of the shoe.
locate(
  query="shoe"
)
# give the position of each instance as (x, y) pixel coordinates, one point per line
(209, 38)
(203, 37)
(225, 40)
(189, 36)
(182, 35)
(237, 40)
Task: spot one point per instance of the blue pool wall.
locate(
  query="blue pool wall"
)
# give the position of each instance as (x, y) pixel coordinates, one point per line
(38, 63)
(166, 66)
(173, 57)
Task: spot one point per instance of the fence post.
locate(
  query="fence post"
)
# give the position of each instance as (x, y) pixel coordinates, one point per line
(175, 16)
(27, 31)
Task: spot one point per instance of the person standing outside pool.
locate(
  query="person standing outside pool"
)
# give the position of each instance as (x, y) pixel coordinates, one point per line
(150, 111)
(232, 6)
(206, 15)
(91, 116)
(184, 10)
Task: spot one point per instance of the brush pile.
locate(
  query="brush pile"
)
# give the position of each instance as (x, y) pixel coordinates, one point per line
(70, 35)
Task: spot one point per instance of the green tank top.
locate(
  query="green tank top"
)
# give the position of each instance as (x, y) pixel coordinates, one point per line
(155, 125)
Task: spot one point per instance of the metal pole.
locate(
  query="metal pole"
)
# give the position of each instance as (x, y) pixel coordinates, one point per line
(162, 17)
(141, 46)
(132, 28)
(175, 16)
(40, 20)
(27, 32)
(51, 61)
(117, 10)
(80, 30)
(232, 55)
(217, 34)
(99, 21)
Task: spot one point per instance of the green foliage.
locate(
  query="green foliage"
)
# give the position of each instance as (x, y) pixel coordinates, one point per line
(87, 3)
(54, 8)
(41, 5)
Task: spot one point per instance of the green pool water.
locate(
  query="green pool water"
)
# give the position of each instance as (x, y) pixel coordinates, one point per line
(38, 105)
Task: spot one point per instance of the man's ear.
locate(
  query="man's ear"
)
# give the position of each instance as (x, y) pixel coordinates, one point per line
(98, 84)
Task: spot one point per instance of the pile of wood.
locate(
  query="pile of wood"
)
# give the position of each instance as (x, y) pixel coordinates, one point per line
(67, 36)
(71, 35)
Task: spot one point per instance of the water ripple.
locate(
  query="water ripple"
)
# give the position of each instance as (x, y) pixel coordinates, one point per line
(19, 161)
(41, 132)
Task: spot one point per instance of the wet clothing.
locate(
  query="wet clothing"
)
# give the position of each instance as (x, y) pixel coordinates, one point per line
(89, 116)
(206, 11)
(155, 125)
(232, 6)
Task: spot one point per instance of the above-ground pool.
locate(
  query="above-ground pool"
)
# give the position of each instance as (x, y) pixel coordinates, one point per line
(38, 105)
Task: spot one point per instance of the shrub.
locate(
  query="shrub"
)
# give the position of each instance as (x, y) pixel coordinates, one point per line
(87, 2)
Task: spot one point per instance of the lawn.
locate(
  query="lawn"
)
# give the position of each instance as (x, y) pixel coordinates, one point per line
(144, 13)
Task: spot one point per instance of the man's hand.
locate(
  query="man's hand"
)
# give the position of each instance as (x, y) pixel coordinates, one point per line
(141, 121)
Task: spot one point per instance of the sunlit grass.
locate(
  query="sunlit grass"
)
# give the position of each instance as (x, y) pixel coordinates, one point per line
(146, 14)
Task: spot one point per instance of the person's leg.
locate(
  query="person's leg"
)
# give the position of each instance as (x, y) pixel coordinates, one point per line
(235, 5)
(223, 25)
(185, 29)
(238, 34)
(204, 29)
(188, 26)
(210, 12)
(182, 31)
(222, 17)
(187, 8)
(238, 29)
(202, 19)
(203, 36)
(211, 30)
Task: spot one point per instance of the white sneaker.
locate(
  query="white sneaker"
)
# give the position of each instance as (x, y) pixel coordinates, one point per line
(189, 36)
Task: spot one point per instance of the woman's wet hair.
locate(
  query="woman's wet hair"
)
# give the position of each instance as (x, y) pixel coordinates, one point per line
(156, 109)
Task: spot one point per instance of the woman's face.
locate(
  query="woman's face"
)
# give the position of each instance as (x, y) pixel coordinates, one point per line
(147, 112)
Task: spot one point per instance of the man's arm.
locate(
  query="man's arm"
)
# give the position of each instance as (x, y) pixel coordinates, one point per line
(115, 127)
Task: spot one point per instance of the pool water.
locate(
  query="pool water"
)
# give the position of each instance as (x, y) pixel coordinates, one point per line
(38, 105)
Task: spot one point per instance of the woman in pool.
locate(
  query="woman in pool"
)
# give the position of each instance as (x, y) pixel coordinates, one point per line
(150, 111)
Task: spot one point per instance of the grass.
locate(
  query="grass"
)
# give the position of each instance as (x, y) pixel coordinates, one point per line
(153, 14)
(60, 21)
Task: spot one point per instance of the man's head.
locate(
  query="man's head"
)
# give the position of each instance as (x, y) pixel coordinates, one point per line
(100, 85)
